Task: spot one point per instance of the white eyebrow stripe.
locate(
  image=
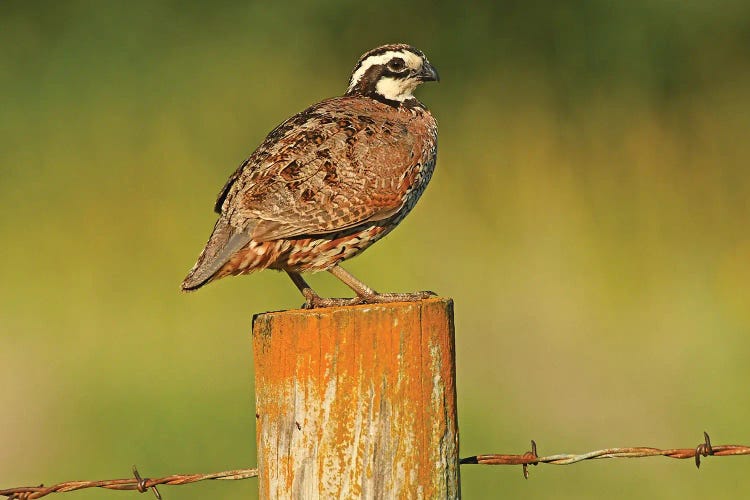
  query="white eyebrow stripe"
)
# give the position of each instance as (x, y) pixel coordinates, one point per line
(412, 60)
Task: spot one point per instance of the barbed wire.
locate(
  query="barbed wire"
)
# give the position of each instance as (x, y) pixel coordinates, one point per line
(141, 484)
(704, 449)
(135, 483)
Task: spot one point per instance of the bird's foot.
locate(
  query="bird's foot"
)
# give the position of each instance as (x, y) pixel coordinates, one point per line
(378, 298)
(314, 301)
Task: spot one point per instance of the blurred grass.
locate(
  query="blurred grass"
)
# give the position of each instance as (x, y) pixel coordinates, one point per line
(589, 216)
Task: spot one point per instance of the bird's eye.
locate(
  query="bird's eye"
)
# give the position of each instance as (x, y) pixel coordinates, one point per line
(396, 64)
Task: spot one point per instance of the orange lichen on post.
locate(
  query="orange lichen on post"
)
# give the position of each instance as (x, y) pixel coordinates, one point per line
(357, 402)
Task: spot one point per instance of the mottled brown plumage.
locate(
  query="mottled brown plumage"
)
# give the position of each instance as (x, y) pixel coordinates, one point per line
(330, 181)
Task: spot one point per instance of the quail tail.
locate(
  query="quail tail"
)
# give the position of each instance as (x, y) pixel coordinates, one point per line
(223, 243)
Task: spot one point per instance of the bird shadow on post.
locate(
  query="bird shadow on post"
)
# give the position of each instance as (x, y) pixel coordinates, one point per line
(357, 402)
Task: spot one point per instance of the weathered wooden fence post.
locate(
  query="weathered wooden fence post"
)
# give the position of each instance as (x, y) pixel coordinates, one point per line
(357, 402)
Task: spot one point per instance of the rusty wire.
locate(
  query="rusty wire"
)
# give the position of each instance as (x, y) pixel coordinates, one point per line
(141, 484)
(704, 449)
(135, 483)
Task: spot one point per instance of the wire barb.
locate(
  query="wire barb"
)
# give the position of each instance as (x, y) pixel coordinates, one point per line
(704, 449)
(142, 484)
(530, 455)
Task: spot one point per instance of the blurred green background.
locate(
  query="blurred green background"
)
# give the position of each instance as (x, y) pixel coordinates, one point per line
(589, 215)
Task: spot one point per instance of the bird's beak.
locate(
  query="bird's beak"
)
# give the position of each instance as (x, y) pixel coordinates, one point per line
(428, 73)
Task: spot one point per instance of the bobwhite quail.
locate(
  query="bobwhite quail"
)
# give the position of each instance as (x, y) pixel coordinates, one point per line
(329, 181)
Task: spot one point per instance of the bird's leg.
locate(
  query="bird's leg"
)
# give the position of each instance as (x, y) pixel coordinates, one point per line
(303, 287)
(313, 300)
(368, 295)
(349, 280)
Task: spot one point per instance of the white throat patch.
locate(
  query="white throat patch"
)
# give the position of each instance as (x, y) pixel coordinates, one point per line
(412, 61)
(396, 89)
